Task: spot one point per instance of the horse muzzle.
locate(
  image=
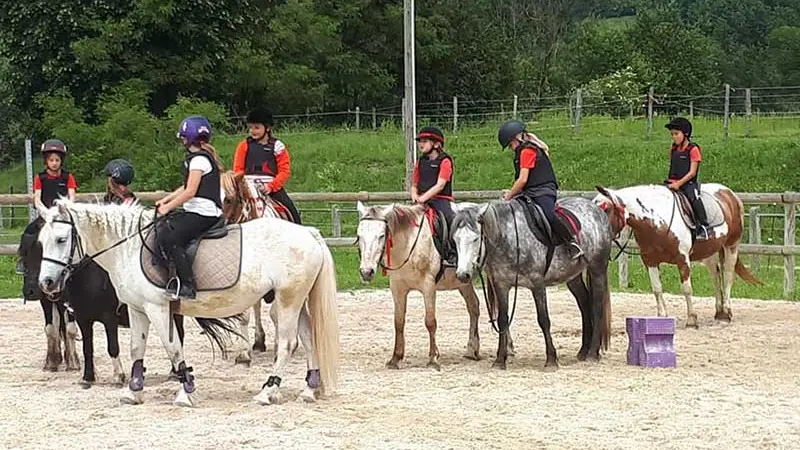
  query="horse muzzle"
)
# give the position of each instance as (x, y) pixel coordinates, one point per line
(464, 277)
(50, 287)
(367, 275)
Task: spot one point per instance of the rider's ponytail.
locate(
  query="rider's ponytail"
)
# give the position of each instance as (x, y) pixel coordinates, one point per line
(210, 149)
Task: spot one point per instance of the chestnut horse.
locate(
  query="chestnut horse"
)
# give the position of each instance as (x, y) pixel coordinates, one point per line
(664, 234)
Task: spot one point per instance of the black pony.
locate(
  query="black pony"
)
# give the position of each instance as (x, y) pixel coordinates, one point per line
(88, 297)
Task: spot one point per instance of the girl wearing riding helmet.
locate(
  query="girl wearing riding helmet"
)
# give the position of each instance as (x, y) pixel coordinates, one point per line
(535, 177)
(265, 161)
(50, 184)
(684, 163)
(199, 196)
(432, 180)
(120, 174)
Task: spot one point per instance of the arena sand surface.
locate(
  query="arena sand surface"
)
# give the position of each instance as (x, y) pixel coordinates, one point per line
(736, 386)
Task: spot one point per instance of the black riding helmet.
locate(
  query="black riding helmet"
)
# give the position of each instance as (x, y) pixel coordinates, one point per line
(681, 124)
(508, 131)
(54, 146)
(431, 133)
(260, 115)
(121, 171)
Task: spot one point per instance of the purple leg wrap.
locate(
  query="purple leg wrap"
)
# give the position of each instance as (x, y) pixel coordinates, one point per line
(312, 378)
(186, 378)
(137, 376)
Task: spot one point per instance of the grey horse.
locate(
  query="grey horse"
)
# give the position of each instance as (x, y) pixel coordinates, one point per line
(496, 237)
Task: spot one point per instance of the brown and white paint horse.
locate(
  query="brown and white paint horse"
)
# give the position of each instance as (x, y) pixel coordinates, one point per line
(240, 205)
(653, 214)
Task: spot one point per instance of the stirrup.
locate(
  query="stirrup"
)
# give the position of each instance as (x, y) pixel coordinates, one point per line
(173, 296)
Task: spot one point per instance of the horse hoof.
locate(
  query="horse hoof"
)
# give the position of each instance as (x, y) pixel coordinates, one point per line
(71, 368)
(393, 364)
(119, 380)
(307, 396)
(86, 384)
(129, 397)
(268, 398)
(242, 360)
(551, 367)
(50, 367)
(183, 399)
(499, 364)
(472, 355)
(260, 347)
(582, 355)
(692, 325)
(723, 316)
(434, 365)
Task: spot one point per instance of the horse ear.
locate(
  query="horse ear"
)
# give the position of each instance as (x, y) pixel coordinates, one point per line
(605, 192)
(62, 207)
(238, 176)
(361, 208)
(482, 209)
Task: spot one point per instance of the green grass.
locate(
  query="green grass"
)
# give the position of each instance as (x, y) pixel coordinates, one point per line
(610, 152)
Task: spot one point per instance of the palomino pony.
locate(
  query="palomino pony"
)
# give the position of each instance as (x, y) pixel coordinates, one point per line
(402, 236)
(664, 232)
(240, 205)
(274, 256)
(496, 237)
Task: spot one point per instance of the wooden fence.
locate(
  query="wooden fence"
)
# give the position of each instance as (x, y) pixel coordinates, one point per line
(788, 250)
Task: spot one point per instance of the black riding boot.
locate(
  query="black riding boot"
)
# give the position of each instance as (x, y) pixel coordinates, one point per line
(701, 219)
(575, 250)
(184, 271)
(450, 254)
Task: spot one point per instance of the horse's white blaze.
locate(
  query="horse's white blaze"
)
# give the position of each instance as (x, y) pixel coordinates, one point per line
(468, 244)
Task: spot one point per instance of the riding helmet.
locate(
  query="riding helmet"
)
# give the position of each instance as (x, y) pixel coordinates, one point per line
(681, 124)
(121, 171)
(508, 131)
(431, 133)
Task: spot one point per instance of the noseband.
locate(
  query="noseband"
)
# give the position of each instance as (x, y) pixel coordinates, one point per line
(388, 237)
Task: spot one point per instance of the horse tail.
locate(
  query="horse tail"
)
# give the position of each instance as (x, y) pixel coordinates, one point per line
(325, 319)
(745, 274)
(605, 325)
(218, 329)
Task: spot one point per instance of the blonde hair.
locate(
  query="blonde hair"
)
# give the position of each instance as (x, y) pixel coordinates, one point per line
(210, 149)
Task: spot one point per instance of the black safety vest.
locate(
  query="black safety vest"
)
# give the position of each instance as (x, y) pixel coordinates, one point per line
(429, 174)
(53, 187)
(680, 163)
(260, 158)
(542, 174)
(209, 183)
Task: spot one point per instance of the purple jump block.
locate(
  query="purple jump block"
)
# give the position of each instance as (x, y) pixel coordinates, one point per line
(650, 341)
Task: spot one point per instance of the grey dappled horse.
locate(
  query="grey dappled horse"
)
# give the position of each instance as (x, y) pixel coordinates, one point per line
(495, 237)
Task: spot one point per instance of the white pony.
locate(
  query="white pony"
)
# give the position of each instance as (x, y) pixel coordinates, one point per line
(279, 257)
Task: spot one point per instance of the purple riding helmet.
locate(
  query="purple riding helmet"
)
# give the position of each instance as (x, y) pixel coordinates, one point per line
(195, 129)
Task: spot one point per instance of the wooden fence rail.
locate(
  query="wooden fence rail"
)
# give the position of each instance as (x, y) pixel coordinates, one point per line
(788, 199)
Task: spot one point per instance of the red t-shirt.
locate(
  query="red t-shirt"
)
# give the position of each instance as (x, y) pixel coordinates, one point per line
(37, 182)
(527, 159)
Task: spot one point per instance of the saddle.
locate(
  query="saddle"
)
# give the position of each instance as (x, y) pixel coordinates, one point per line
(540, 226)
(712, 206)
(216, 258)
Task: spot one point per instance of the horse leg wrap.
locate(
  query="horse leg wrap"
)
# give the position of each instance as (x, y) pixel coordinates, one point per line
(312, 378)
(273, 380)
(137, 376)
(185, 377)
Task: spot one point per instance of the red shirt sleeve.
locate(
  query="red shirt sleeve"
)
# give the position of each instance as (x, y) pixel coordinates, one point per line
(694, 154)
(240, 157)
(446, 170)
(37, 183)
(284, 170)
(416, 173)
(71, 184)
(527, 160)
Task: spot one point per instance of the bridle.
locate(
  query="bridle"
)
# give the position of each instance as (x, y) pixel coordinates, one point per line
(387, 238)
(76, 243)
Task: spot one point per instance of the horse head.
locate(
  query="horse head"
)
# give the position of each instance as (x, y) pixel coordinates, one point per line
(467, 233)
(234, 195)
(614, 207)
(58, 240)
(376, 226)
(30, 252)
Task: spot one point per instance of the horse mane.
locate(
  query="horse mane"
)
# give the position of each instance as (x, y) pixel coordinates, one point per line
(121, 219)
(401, 217)
(235, 186)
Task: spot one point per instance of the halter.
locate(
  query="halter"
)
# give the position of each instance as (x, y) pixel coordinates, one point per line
(389, 240)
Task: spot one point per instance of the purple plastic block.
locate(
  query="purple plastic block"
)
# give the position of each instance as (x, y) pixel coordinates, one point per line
(650, 341)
